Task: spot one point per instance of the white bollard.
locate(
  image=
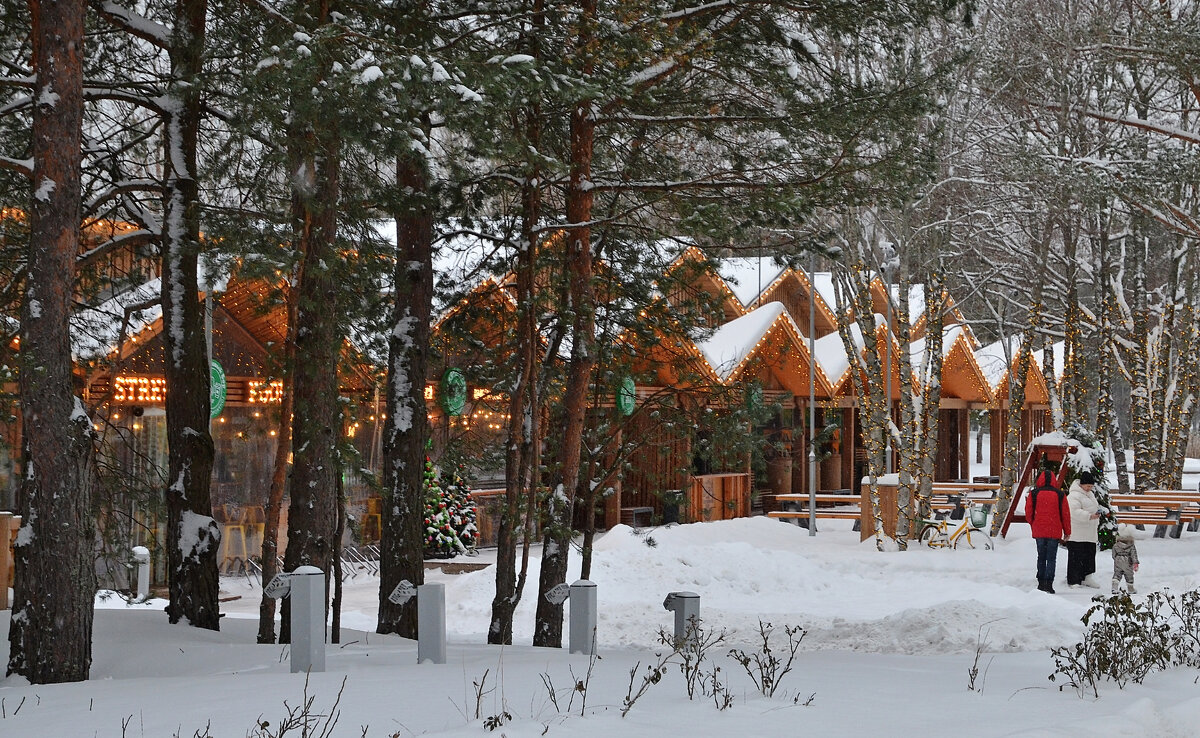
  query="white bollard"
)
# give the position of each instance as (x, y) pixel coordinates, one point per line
(431, 623)
(141, 558)
(583, 617)
(687, 613)
(308, 619)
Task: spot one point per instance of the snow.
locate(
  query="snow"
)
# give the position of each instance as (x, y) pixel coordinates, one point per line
(732, 343)
(44, 190)
(749, 276)
(830, 354)
(368, 75)
(993, 360)
(890, 638)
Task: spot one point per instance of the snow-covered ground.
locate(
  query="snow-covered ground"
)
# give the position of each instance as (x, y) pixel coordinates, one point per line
(891, 637)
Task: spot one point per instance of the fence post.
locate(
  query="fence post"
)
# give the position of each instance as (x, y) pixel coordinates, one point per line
(431, 623)
(308, 619)
(141, 560)
(583, 617)
(686, 606)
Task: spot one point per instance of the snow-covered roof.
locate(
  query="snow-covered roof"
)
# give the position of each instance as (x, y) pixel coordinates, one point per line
(823, 283)
(950, 334)
(916, 300)
(993, 359)
(96, 331)
(830, 354)
(732, 343)
(749, 276)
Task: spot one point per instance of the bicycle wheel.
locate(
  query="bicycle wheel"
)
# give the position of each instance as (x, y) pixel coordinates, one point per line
(932, 536)
(974, 538)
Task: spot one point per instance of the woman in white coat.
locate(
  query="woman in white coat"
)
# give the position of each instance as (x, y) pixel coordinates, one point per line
(1085, 522)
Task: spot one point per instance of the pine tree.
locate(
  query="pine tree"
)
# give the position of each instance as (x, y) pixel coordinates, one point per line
(1090, 457)
(450, 515)
(50, 639)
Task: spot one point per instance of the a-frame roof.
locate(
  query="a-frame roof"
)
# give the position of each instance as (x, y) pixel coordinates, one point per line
(994, 361)
(704, 279)
(845, 386)
(764, 340)
(962, 377)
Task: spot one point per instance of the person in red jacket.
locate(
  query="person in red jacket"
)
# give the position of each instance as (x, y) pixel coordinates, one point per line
(1050, 519)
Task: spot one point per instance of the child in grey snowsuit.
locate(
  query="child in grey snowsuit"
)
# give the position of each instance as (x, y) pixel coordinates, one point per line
(1125, 559)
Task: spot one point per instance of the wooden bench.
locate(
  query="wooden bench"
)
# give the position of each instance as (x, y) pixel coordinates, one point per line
(829, 507)
(1163, 509)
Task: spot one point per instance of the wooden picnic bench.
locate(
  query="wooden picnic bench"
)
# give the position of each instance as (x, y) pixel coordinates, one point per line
(829, 507)
(1163, 509)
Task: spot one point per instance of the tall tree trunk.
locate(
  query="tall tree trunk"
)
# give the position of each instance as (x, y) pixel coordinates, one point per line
(317, 414)
(1022, 361)
(192, 535)
(279, 470)
(548, 628)
(853, 284)
(935, 322)
(522, 409)
(50, 637)
(1141, 403)
(519, 474)
(402, 539)
(908, 491)
(1108, 421)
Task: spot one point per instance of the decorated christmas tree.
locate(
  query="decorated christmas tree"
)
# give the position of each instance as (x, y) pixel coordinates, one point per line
(1090, 457)
(449, 515)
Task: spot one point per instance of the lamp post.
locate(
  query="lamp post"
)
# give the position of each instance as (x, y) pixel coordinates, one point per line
(812, 412)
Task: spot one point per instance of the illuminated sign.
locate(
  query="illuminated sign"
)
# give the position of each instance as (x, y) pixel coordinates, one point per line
(261, 393)
(139, 390)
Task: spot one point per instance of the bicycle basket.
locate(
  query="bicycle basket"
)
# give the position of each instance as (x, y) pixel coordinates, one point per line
(979, 516)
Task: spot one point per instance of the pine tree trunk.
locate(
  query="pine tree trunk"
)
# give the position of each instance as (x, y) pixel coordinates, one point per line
(317, 416)
(407, 426)
(518, 466)
(279, 470)
(192, 573)
(50, 637)
(548, 624)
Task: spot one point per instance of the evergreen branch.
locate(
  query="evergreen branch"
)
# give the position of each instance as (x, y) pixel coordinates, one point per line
(119, 95)
(133, 23)
(271, 13)
(131, 238)
(20, 166)
(16, 105)
(25, 81)
(119, 190)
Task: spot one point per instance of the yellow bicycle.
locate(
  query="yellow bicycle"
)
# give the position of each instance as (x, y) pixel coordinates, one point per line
(969, 533)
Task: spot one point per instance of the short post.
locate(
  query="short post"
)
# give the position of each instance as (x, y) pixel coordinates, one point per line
(431, 623)
(308, 619)
(686, 606)
(583, 617)
(141, 560)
